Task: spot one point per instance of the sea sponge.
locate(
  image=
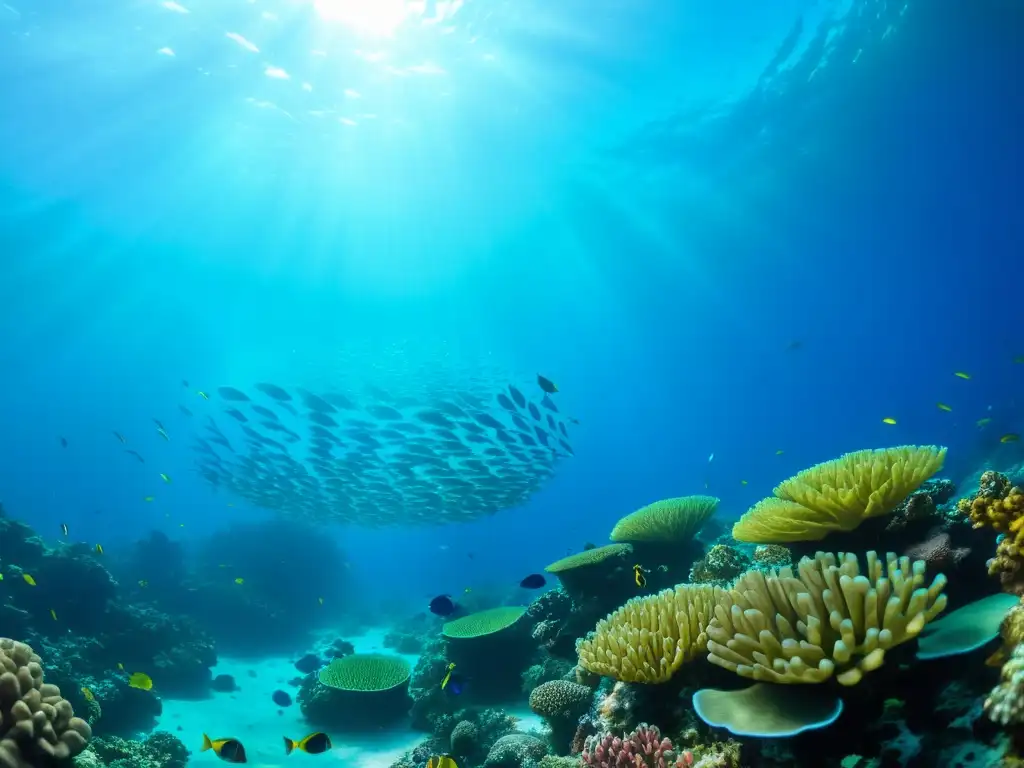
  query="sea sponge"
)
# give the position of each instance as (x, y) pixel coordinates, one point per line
(827, 620)
(838, 495)
(365, 672)
(37, 726)
(588, 557)
(667, 521)
(483, 622)
(649, 638)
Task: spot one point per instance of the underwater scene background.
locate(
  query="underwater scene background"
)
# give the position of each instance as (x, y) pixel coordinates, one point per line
(463, 383)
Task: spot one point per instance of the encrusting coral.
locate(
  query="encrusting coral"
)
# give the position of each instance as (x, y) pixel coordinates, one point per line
(649, 638)
(37, 726)
(827, 620)
(838, 495)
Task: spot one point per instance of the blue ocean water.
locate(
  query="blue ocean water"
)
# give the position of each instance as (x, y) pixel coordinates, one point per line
(744, 229)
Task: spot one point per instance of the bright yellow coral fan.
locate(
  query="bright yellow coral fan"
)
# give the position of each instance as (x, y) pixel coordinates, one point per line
(827, 620)
(649, 638)
(669, 520)
(839, 495)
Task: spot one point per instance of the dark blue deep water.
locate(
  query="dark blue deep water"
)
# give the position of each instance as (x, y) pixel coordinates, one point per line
(737, 235)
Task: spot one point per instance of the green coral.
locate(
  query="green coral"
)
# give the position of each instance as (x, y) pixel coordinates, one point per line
(483, 622)
(667, 521)
(365, 672)
(589, 557)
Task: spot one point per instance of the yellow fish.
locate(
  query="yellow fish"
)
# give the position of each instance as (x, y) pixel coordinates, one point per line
(120, 666)
(983, 422)
(743, 482)
(203, 394)
(320, 600)
(1010, 437)
(165, 478)
(239, 580)
(467, 590)
(943, 407)
(314, 744)
(88, 694)
(143, 583)
(638, 576)
(53, 613)
(442, 761)
(28, 579)
(888, 420)
(447, 674)
(228, 750)
(181, 525)
(962, 375)
(779, 452)
(99, 549)
(140, 680)
(148, 498)
(1, 577)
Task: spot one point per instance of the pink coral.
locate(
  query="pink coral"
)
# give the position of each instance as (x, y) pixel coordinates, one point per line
(643, 748)
(937, 551)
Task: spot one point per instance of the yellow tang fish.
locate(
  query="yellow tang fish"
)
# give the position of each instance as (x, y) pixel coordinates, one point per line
(239, 580)
(53, 613)
(442, 761)
(28, 579)
(99, 549)
(140, 680)
(87, 694)
(447, 674)
(888, 420)
(943, 407)
(638, 576)
(962, 375)
(314, 744)
(165, 478)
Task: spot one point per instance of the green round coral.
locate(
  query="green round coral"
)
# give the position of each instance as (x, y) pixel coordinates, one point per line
(365, 672)
(483, 623)
(666, 521)
(588, 557)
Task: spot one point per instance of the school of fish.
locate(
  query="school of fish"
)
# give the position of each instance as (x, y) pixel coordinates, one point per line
(380, 460)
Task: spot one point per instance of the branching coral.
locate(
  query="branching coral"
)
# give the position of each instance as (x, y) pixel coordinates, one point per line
(37, 726)
(649, 638)
(827, 620)
(1001, 508)
(839, 495)
(643, 748)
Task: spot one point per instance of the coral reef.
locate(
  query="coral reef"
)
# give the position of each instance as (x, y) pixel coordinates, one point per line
(719, 566)
(491, 649)
(769, 556)
(515, 750)
(158, 750)
(355, 690)
(1000, 506)
(561, 703)
(37, 725)
(643, 748)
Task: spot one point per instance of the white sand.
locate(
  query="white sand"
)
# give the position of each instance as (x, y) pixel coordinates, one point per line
(250, 715)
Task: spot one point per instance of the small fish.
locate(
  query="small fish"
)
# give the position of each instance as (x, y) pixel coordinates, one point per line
(162, 432)
(159, 424)
(228, 750)
(28, 579)
(743, 482)
(442, 605)
(140, 680)
(533, 581)
(442, 761)
(546, 384)
(184, 410)
(165, 478)
(888, 420)
(137, 456)
(281, 698)
(711, 458)
(121, 437)
(203, 394)
(99, 549)
(983, 422)
(779, 452)
(1, 577)
(143, 583)
(944, 407)
(184, 383)
(447, 675)
(467, 590)
(63, 442)
(1009, 437)
(320, 600)
(962, 375)
(53, 614)
(87, 694)
(239, 580)
(639, 577)
(314, 744)
(148, 498)
(120, 666)
(64, 529)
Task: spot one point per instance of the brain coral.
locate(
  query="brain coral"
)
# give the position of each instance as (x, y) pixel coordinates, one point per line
(561, 699)
(37, 726)
(365, 672)
(483, 622)
(839, 495)
(670, 520)
(588, 557)
(828, 619)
